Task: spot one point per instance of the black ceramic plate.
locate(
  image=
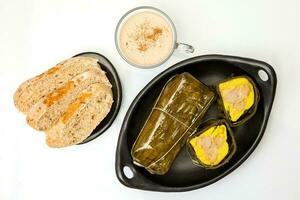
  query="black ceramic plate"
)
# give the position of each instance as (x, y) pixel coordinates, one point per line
(184, 175)
(113, 78)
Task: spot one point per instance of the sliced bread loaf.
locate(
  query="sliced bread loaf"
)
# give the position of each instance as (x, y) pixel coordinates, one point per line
(81, 117)
(47, 110)
(31, 91)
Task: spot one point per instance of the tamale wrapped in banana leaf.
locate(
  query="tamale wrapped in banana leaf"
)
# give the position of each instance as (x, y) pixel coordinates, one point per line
(176, 114)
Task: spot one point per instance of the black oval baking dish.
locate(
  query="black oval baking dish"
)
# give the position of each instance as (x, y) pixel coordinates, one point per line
(113, 78)
(184, 175)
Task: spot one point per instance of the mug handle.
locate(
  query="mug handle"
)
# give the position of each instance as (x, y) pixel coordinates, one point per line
(184, 47)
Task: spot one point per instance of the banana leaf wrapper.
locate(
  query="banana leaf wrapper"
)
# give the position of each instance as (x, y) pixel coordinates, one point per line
(176, 114)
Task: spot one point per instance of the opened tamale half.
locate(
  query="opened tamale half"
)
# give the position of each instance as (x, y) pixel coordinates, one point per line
(238, 100)
(212, 146)
(176, 114)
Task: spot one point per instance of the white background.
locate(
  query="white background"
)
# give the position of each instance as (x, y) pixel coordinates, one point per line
(36, 34)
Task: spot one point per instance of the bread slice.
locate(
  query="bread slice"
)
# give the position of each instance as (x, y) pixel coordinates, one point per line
(31, 91)
(81, 117)
(47, 110)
